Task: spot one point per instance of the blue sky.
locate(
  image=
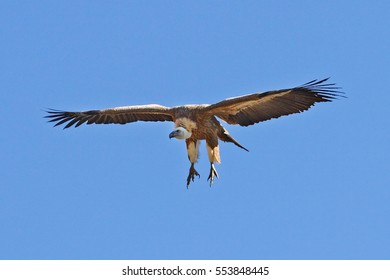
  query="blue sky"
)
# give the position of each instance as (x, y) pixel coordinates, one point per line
(314, 185)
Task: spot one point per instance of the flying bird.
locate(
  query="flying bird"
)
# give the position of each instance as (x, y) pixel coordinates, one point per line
(194, 123)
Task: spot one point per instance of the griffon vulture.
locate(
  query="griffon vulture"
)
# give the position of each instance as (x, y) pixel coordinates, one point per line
(199, 122)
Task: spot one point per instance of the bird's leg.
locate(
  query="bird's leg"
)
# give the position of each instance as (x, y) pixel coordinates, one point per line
(213, 173)
(192, 174)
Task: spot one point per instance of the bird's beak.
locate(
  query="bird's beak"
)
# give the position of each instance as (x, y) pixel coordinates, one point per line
(173, 134)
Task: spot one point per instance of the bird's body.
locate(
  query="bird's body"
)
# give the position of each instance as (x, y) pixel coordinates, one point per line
(194, 123)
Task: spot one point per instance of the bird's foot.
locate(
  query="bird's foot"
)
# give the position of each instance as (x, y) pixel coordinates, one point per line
(192, 174)
(213, 173)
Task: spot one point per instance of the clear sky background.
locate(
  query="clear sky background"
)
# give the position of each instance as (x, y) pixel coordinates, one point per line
(314, 185)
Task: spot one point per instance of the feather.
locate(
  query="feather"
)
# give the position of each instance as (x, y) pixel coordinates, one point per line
(119, 115)
(253, 108)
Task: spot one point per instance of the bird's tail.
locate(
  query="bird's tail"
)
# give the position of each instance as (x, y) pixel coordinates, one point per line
(224, 135)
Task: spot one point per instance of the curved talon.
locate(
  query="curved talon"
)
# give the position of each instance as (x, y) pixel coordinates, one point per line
(192, 174)
(213, 173)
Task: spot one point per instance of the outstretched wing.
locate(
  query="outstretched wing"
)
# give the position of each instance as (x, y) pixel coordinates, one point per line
(253, 108)
(118, 115)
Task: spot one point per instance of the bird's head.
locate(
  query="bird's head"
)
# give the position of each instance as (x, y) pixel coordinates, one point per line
(180, 133)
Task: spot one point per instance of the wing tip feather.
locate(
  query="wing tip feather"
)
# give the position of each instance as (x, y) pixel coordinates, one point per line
(327, 91)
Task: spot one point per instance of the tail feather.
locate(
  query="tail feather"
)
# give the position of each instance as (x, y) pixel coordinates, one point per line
(226, 137)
